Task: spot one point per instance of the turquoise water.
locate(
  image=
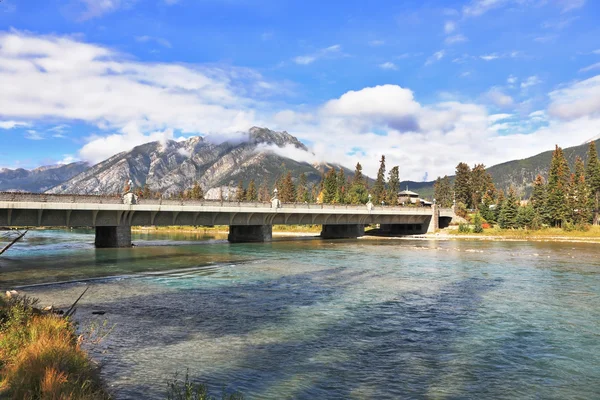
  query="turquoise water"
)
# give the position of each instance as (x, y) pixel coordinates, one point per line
(312, 319)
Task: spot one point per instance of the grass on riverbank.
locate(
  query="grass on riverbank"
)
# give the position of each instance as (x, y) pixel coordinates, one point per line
(41, 357)
(593, 233)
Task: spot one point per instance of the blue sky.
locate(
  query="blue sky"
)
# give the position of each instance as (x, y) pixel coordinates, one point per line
(428, 83)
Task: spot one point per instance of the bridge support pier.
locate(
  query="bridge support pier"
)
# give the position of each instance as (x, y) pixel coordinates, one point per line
(250, 233)
(351, 231)
(113, 236)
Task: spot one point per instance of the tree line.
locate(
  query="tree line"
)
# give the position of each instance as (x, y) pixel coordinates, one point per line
(567, 199)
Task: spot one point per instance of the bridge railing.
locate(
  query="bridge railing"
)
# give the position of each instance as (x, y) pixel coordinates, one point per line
(94, 199)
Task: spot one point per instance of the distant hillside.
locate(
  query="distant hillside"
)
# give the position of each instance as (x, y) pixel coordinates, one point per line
(519, 173)
(38, 179)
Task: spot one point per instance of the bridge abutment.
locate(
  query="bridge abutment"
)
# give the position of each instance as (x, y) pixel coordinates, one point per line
(350, 231)
(250, 233)
(113, 236)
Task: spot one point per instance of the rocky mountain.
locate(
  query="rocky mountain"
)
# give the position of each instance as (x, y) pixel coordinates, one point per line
(38, 179)
(174, 166)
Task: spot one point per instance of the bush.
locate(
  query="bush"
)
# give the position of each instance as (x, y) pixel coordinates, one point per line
(41, 356)
(464, 228)
(478, 223)
(187, 390)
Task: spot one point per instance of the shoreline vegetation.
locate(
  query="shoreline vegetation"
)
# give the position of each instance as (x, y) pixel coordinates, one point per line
(41, 357)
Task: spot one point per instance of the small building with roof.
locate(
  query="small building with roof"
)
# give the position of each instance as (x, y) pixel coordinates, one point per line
(408, 198)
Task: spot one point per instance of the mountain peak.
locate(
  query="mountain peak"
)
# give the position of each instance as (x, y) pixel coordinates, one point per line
(267, 136)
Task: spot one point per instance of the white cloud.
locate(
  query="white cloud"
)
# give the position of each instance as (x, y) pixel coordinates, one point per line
(13, 124)
(578, 100)
(388, 65)
(437, 56)
(479, 7)
(590, 67)
(511, 80)
(569, 5)
(68, 159)
(328, 52)
(449, 27)
(455, 39)
(531, 81)
(96, 8)
(33, 135)
(490, 57)
(376, 43)
(160, 41)
(498, 98)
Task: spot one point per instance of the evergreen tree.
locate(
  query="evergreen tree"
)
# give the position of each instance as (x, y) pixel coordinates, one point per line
(592, 177)
(442, 192)
(340, 195)
(510, 209)
(287, 193)
(485, 209)
(499, 204)
(462, 184)
(477, 223)
(379, 186)
(251, 194)
(330, 187)
(579, 195)
(240, 193)
(146, 193)
(302, 193)
(558, 182)
(526, 216)
(197, 193)
(539, 200)
(393, 186)
(358, 193)
(480, 184)
(263, 192)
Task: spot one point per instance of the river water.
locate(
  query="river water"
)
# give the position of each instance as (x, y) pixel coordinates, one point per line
(313, 319)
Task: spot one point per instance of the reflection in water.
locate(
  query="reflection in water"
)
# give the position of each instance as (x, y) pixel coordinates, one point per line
(345, 319)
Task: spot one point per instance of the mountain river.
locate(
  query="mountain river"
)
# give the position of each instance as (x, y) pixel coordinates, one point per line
(322, 319)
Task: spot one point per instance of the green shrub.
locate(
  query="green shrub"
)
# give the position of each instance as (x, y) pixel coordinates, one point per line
(464, 228)
(478, 223)
(185, 389)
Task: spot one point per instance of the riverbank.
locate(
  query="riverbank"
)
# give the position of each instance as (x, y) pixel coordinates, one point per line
(543, 235)
(41, 355)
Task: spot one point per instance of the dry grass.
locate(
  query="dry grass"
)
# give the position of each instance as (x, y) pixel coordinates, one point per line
(41, 357)
(592, 234)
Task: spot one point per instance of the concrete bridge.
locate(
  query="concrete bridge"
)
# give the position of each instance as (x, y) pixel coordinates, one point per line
(248, 222)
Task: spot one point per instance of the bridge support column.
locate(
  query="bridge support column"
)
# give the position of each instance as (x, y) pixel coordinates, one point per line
(250, 233)
(434, 222)
(113, 236)
(351, 231)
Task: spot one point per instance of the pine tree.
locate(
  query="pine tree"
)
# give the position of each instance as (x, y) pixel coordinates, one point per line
(539, 200)
(302, 190)
(510, 209)
(558, 182)
(146, 193)
(379, 186)
(287, 193)
(526, 216)
(485, 209)
(579, 195)
(442, 192)
(240, 193)
(197, 193)
(480, 184)
(393, 186)
(592, 177)
(340, 195)
(358, 193)
(251, 194)
(499, 204)
(263, 192)
(330, 187)
(462, 184)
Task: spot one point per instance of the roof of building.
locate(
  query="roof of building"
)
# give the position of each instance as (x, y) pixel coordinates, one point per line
(408, 193)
